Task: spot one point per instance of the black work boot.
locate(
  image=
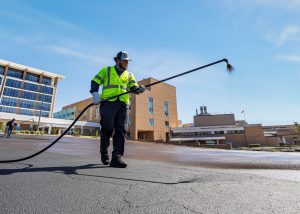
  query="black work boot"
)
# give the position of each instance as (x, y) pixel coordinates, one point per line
(105, 158)
(116, 161)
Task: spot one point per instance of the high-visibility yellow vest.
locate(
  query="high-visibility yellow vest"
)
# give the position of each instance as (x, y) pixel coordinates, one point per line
(113, 84)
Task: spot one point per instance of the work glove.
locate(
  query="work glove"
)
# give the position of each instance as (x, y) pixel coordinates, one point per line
(140, 89)
(96, 98)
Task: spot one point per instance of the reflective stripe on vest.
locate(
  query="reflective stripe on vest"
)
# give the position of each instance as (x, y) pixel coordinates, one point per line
(99, 78)
(108, 80)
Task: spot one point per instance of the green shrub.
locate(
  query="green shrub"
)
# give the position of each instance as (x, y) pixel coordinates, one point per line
(27, 132)
(75, 133)
(15, 132)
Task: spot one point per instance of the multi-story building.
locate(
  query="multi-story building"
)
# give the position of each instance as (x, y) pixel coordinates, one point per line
(220, 129)
(285, 134)
(151, 115)
(27, 91)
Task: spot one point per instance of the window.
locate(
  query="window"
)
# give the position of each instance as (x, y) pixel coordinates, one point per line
(43, 114)
(166, 109)
(44, 106)
(26, 104)
(219, 132)
(10, 92)
(167, 124)
(97, 111)
(25, 112)
(7, 109)
(150, 105)
(13, 83)
(9, 101)
(129, 121)
(28, 95)
(46, 90)
(91, 113)
(30, 86)
(2, 70)
(15, 73)
(47, 80)
(151, 122)
(32, 77)
(0, 80)
(45, 98)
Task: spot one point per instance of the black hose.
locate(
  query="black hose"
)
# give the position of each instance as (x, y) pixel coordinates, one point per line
(127, 92)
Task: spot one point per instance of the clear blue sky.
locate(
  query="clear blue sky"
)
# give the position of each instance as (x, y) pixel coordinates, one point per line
(261, 38)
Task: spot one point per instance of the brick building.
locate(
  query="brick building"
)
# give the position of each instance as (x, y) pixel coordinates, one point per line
(151, 114)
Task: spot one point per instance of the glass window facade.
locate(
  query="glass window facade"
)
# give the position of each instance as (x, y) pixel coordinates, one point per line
(32, 77)
(30, 86)
(9, 101)
(15, 73)
(26, 104)
(46, 90)
(66, 114)
(7, 109)
(0, 80)
(47, 80)
(10, 92)
(45, 98)
(150, 105)
(28, 95)
(2, 70)
(13, 83)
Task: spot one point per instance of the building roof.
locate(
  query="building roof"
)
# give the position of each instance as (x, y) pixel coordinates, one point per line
(30, 69)
(153, 80)
(55, 122)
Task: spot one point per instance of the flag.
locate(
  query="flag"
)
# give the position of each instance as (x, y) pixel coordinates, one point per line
(242, 112)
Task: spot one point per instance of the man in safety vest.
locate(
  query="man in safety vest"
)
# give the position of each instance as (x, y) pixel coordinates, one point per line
(114, 112)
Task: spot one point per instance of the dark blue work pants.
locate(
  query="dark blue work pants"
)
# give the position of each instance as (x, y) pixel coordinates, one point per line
(114, 116)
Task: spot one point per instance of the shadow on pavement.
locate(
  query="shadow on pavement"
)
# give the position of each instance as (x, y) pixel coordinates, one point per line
(72, 170)
(64, 169)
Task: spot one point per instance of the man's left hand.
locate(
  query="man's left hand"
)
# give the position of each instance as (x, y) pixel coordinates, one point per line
(141, 89)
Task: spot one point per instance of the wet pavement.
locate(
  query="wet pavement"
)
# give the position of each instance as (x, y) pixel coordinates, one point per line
(183, 155)
(69, 178)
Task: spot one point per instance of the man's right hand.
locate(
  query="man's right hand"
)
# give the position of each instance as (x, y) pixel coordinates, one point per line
(96, 98)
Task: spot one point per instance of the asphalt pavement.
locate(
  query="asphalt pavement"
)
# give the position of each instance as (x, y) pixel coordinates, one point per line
(69, 178)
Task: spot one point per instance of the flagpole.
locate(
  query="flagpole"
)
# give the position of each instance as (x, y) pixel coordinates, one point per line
(243, 112)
